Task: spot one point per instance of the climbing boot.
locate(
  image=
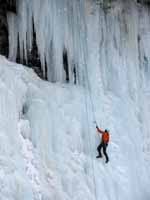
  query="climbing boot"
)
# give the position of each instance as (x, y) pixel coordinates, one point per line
(99, 156)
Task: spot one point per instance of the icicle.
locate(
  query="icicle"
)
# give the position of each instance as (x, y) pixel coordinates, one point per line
(57, 27)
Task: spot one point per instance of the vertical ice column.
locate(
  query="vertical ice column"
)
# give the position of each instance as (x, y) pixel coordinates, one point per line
(60, 25)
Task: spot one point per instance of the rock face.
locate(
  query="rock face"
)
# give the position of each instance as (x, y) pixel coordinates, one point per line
(33, 59)
(5, 6)
(3, 29)
(144, 1)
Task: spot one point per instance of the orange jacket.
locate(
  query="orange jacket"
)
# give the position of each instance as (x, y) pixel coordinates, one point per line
(105, 135)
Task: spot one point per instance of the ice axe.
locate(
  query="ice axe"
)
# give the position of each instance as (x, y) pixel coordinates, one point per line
(95, 123)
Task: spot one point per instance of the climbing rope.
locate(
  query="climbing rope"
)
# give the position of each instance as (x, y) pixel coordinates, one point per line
(90, 144)
(94, 117)
(87, 83)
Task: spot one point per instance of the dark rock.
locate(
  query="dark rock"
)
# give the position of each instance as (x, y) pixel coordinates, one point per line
(5, 6)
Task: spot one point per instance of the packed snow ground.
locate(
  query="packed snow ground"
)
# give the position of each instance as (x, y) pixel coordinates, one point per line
(48, 141)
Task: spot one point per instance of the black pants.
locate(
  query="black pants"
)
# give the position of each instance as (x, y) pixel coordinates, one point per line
(104, 146)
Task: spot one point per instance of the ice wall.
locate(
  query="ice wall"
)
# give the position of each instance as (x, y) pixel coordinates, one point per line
(108, 47)
(78, 27)
(59, 25)
(43, 153)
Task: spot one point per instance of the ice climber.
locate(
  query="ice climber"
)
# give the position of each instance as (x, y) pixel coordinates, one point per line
(103, 144)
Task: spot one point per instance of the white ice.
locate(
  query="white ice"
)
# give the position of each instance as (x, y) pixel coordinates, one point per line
(48, 141)
(49, 127)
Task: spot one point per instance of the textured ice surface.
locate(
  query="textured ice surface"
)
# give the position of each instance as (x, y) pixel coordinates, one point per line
(48, 140)
(58, 141)
(107, 40)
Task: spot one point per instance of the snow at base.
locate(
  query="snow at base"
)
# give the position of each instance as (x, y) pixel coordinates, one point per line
(48, 141)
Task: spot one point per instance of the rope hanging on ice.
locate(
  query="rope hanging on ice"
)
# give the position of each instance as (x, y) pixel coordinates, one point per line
(87, 82)
(86, 105)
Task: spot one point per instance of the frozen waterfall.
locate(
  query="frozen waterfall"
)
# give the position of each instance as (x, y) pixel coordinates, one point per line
(92, 37)
(109, 49)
